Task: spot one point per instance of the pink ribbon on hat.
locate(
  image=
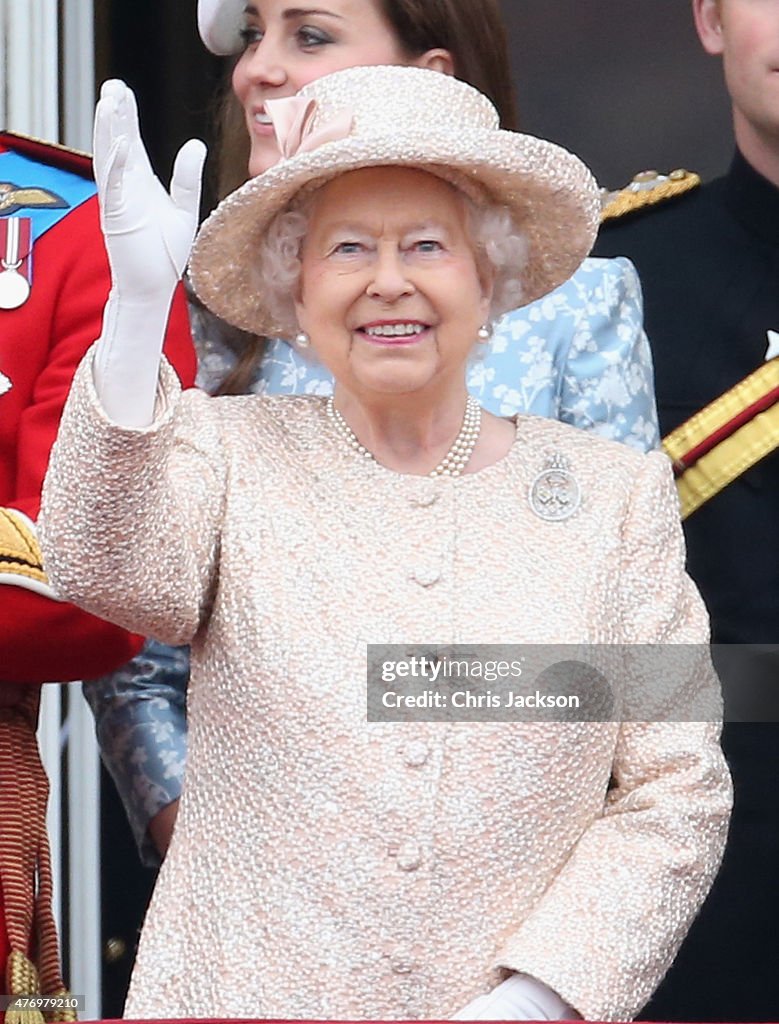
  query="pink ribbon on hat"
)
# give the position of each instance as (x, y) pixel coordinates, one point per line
(293, 118)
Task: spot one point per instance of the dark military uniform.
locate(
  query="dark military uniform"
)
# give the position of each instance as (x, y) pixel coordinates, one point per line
(709, 267)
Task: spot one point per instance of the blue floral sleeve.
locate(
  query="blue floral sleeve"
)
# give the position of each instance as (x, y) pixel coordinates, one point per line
(141, 722)
(579, 355)
(607, 384)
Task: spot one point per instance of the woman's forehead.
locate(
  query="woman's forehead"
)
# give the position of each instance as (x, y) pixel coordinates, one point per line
(400, 191)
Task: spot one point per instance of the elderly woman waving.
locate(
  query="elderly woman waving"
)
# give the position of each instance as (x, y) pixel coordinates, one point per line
(324, 867)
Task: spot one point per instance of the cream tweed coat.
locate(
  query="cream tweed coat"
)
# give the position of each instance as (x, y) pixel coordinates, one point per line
(323, 867)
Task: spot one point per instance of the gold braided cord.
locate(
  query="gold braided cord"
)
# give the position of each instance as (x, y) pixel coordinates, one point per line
(22, 979)
(629, 199)
(61, 1016)
(25, 866)
(22, 976)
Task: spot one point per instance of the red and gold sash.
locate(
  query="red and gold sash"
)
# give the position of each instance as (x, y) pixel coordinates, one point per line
(726, 438)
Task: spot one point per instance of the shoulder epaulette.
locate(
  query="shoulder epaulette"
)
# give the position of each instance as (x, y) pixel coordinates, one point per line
(646, 189)
(51, 153)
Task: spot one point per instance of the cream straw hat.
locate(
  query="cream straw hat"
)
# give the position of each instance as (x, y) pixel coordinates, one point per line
(408, 117)
(219, 23)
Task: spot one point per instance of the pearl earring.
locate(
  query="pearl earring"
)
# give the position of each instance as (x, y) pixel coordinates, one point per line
(484, 333)
(302, 340)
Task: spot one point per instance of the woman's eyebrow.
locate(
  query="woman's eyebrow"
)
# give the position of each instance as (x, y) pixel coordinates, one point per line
(295, 12)
(304, 12)
(350, 226)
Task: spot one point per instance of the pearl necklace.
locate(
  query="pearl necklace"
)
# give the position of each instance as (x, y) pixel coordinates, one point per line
(455, 460)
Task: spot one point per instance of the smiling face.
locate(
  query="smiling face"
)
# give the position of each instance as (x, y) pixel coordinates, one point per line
(289, 44)
(391, 295)
(746, 34)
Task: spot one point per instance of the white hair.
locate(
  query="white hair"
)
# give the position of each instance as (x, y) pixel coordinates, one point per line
(500, 248)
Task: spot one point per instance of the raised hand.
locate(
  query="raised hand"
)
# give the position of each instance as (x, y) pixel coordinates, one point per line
(148, 234)
(148, 231)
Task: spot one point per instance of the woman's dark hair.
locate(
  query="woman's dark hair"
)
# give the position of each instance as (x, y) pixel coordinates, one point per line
(471, 30)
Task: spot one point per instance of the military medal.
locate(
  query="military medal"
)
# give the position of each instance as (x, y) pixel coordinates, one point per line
(555, 493)
(15, 240)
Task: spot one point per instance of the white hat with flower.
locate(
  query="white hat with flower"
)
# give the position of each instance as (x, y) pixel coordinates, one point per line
(405, 117)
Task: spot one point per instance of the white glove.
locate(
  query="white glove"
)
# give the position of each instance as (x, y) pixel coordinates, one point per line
(519, 997)
(148, 234)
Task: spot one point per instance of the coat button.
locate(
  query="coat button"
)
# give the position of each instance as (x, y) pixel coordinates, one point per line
(409, 857)
(426, 575)
(425, 495)
(416, 753)
(401, 966)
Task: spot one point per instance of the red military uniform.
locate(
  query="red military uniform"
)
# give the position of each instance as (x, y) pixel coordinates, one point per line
(54, 280)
